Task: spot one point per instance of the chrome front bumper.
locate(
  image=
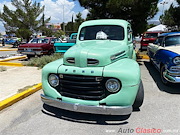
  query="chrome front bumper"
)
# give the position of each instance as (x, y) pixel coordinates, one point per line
(108, 110)
(172, 77)
(31, 53)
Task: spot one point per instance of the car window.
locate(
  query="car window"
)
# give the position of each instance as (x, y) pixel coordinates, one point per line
(102, 32)
(55, 40)
(74, 36)
(159, 40)
(39, 40)
(172, 40)
(150, 35)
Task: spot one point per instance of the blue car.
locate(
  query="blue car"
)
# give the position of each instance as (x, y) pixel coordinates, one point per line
(164, 53)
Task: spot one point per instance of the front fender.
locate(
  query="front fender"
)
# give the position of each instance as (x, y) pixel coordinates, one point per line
(165, 57)
(126, 70)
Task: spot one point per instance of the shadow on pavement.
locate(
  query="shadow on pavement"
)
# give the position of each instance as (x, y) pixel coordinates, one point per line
(172, 88)
(84, 117)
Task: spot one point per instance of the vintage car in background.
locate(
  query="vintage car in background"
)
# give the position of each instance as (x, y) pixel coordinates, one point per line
(62, 47)
(148, 37)
(164, 53)
(99, 74)
(38, 46)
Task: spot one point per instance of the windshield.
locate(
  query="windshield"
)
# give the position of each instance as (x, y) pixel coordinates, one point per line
(172, 40)
(102, 32)
(150, 35)
(39, 40)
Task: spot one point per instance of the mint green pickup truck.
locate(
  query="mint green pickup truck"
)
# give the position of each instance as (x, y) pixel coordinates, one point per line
(99, 74)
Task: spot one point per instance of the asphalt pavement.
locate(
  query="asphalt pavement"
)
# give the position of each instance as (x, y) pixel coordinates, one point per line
(160, 112)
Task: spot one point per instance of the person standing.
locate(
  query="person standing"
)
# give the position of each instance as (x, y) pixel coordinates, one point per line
(3, 44)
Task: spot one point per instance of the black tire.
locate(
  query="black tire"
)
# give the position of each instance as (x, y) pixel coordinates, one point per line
(139, 97)
(164, 81)
(50, 52)
(141, 49)
(29, 56)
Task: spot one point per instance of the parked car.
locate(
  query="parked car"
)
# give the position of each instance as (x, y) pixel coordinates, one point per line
(38, 46)
(62, 47)
(99, 74)
(164, 53)
(9, 41)
(148, 37)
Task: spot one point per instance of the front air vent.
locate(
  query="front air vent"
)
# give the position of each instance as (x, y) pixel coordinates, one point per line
(92, 62)
(71, 60)
(118, 55)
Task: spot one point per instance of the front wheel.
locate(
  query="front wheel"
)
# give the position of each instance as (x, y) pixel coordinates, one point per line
(139, 97)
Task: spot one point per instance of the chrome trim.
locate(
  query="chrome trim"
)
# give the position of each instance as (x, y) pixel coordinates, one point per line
(31, 52)
(171, 78)
(76, 107)
(92, 61)
(70, 60)
(118, 55)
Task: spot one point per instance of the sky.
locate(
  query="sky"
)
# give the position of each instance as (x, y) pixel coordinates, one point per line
(62, 10)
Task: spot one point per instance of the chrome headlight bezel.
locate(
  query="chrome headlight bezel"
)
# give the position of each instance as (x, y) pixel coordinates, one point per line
(53, 80)
(176, 60)
(113, 85)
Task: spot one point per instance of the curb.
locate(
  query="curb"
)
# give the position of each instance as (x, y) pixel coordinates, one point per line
(11, 64)
(15, 58)
(143, 56)
(15, 98)
(8, 50)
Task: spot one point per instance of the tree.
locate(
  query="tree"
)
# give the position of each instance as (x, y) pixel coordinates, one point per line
(137, 12)
(78, 21)
(24, 20)
(72, 27)
(171, 17)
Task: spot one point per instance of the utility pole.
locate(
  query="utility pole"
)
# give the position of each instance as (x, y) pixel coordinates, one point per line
(63, 17)
(163, 3)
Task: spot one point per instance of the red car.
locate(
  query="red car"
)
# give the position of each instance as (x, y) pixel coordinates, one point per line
(38, 46)
(148, 37)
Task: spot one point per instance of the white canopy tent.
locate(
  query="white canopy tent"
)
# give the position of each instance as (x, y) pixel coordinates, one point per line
(159, 27)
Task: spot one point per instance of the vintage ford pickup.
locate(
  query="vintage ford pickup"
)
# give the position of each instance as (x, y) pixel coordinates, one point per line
(99, 74)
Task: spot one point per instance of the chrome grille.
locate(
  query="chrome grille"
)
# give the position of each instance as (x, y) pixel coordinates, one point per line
(81, 87)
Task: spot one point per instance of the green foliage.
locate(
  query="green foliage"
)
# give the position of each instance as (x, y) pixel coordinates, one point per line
(171, 17)
(23, 21)
(137, 12)
(58, 33)
(72, 27)
(42, 61)
(78, 21)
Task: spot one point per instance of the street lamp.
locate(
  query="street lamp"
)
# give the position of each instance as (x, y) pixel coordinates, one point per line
(163, 3)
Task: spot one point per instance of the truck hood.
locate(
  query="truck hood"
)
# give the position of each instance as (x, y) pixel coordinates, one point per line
(175, 49)
(95, 53)
(32, 45)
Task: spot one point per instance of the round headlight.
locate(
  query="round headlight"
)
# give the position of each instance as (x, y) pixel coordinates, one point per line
(53, 80)
(113, 85)
(176, 60)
